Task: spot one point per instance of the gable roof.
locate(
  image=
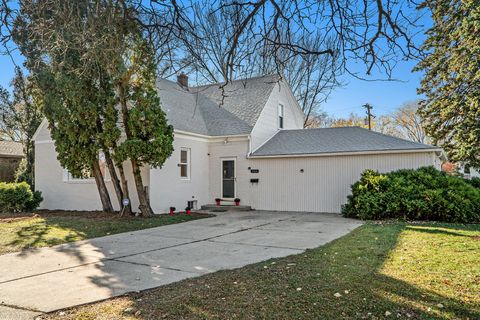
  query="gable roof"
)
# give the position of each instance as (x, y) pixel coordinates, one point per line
(334, 140)
(243, 98)
(11, 149)
(209, 110)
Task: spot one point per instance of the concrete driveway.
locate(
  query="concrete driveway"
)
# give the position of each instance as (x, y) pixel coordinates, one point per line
(49, 279)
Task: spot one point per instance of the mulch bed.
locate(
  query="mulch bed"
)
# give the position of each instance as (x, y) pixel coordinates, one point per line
(91, 215)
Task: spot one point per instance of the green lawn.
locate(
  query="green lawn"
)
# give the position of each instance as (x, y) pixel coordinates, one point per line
(392, 271)
(51, 228)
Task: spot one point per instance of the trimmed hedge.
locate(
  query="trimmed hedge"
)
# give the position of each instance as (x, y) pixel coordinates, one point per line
(17, 197)
(474, 182)
(422, 194)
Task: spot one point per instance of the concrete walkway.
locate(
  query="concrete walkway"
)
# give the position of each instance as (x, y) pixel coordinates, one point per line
(49, 279)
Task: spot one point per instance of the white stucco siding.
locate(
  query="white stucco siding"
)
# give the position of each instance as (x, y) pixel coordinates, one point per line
(232, 150)
(267, 123)
(72, 195)
(474, 173)
(325, 182)
(168, 189)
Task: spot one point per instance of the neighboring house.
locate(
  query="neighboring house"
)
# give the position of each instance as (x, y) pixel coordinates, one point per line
(471, 173)
(11, 153)
(460, 169)
(245, 140)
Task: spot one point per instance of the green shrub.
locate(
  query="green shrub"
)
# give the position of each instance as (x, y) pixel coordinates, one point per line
(17, 197)
(422, 194)
(475, 182)
(35, 202)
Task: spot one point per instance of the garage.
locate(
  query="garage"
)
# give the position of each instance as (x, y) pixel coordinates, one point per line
(312, 170)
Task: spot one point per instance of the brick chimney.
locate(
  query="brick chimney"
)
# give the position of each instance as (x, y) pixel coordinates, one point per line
(182, 80)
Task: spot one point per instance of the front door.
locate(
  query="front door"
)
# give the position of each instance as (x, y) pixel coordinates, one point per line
(228, 179)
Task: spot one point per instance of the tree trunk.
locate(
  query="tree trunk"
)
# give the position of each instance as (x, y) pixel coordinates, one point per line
(102, 188)
(145, 209)
(30, 156)
(114, 177)
(126, 193)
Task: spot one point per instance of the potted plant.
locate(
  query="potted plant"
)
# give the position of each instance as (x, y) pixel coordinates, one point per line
(188, 210)
(172, 210)
(237, 201)
(217, 201)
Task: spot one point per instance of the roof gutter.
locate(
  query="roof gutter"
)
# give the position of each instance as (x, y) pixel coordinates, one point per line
(7, 155)
(438, 152)
(234, 137)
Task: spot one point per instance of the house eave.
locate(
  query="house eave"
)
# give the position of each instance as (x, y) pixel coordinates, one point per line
(207, 138)
(348, 153)
(42, 124)
(12, 156)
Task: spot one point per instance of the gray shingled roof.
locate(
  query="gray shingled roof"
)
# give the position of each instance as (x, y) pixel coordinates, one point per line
(333, 140)
(201, 109)
(243, 98)
(11, 149)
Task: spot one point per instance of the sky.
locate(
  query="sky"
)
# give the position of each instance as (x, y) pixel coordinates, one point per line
(384, 96)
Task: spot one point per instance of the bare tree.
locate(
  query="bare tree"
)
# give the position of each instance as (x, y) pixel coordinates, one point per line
(206, 51)
(319, 120)
(353, 120)
(308, 42)
(311, 77)
(409, 122)
(374, 33)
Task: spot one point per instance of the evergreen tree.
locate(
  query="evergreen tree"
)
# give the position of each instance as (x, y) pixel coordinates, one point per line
(148, 137)
(73, 107)
(451, 82)
(76, 102)
(89, 57)
(21, 115)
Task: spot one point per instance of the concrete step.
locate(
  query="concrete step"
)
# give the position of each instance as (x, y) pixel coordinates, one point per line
(222, 208)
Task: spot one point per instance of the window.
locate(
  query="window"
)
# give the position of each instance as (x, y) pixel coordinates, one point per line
(87, 175)
(280, 116)
(184, 163)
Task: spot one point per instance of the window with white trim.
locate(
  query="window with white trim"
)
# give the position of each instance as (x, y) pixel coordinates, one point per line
(184, 163)
(87, 175)
(281, 111)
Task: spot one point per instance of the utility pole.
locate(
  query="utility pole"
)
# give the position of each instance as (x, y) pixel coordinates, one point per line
(370, 116)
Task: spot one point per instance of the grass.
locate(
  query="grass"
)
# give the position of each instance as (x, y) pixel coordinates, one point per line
(381, 270)
(20, 232)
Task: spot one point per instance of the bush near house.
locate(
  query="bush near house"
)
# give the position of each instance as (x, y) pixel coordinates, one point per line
(422, 194)
(475, 182)
(17, 197)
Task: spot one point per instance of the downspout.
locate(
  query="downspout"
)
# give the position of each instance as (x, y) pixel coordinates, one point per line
(249, 145)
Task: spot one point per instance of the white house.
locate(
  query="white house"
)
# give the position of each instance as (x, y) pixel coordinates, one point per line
(245, 140)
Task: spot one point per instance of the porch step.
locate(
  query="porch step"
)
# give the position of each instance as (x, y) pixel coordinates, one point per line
(222, 208)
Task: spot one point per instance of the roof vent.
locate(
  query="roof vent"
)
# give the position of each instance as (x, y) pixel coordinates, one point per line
(182, 80)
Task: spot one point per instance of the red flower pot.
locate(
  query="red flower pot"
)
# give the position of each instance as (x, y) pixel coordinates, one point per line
(217, 202)
(172, 210)
(237, 202)
(187, 211)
